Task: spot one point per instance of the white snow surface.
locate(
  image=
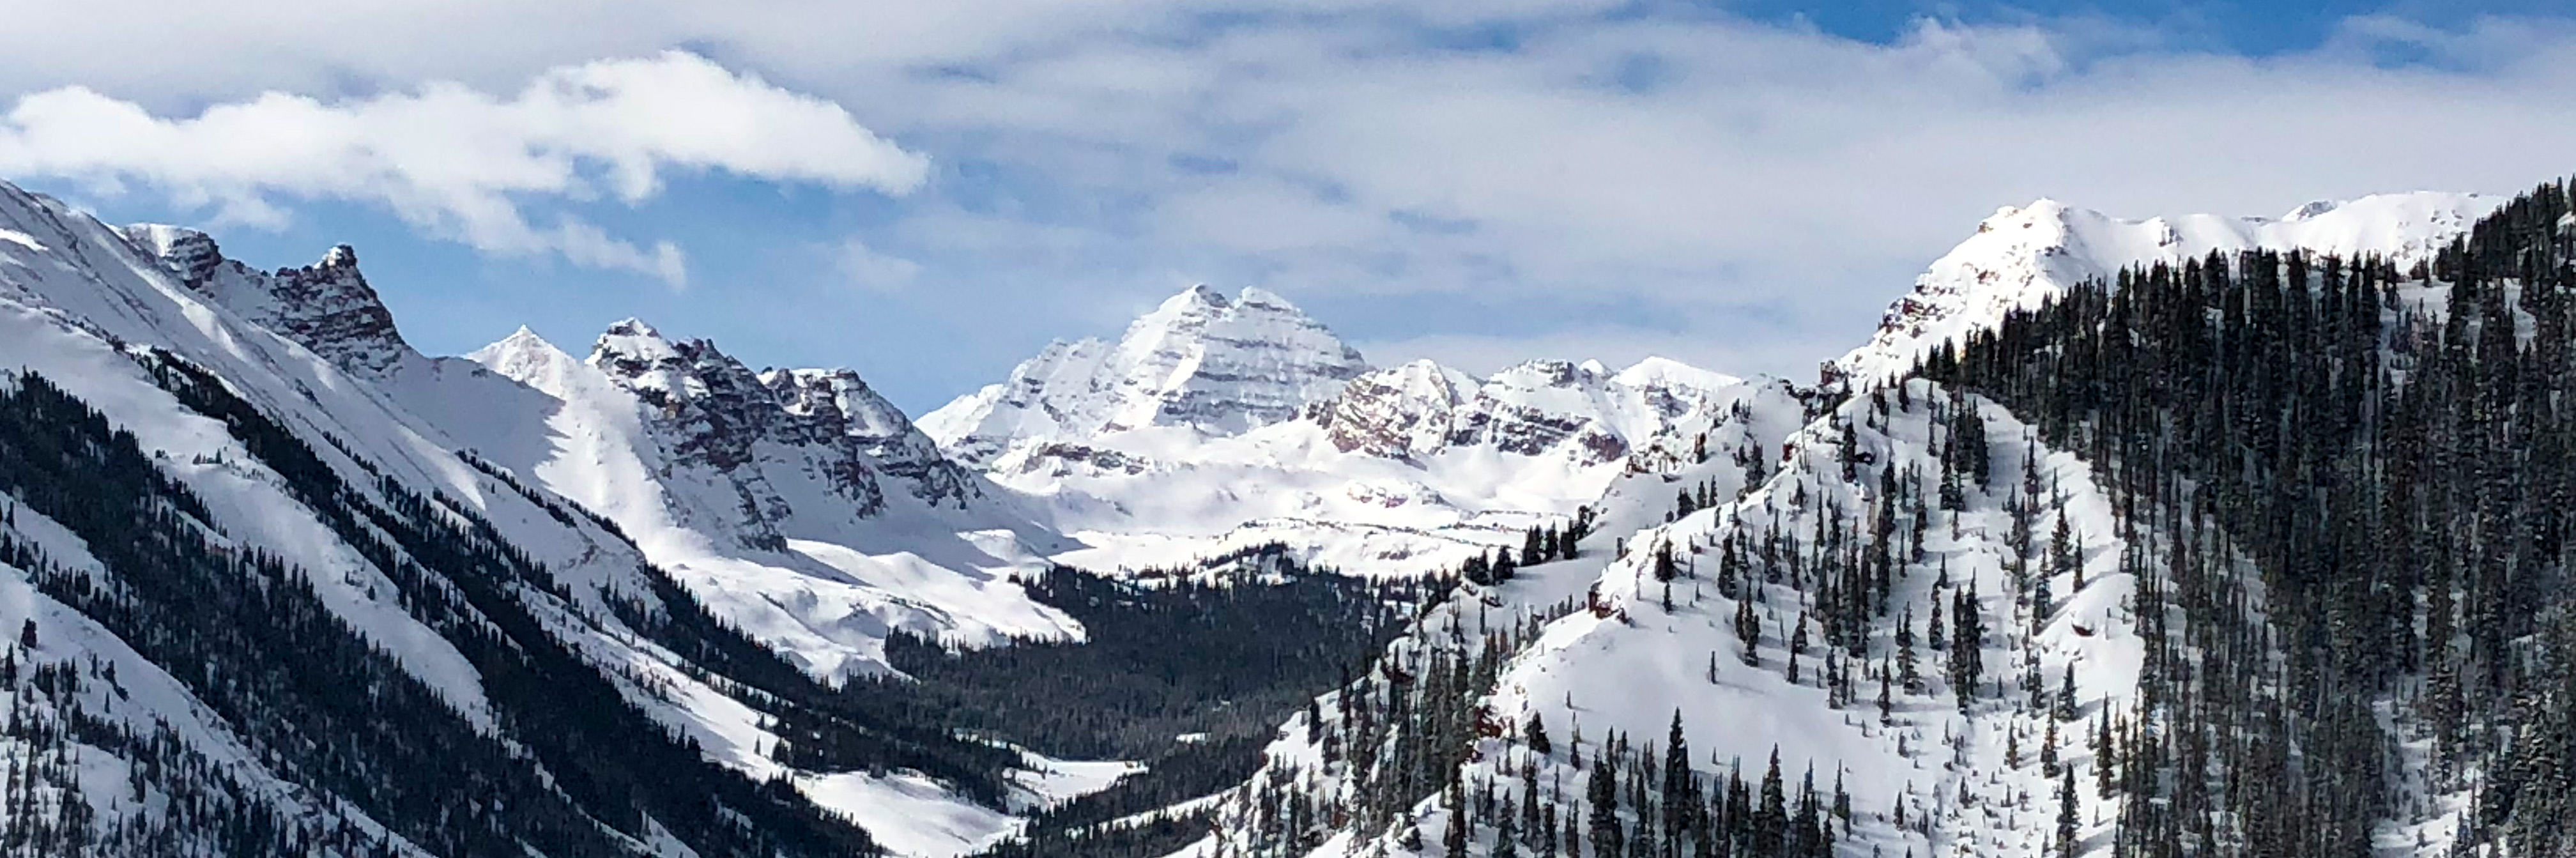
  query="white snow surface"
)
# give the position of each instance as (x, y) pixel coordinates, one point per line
(1408, 471)
(2022, 256)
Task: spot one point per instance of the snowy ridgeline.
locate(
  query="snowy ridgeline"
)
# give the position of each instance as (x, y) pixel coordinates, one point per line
(2023, 256)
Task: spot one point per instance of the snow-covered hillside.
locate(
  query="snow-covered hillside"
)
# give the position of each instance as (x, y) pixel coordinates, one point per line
(1259, 426)
(78, 302)
(2023, 256)
(1802, 626)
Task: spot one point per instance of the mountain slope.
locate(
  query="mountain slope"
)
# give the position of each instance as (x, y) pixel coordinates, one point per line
(1607, 658)
(319, 559)
(2258, 550)
(773, 509)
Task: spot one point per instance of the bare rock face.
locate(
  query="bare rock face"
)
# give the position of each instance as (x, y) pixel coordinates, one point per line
(1403, 413)
(842, 402)
(1541, 405)
(326, 306)
(715, 415)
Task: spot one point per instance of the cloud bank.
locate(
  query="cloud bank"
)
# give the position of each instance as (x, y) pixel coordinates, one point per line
(464, 164)
(1465, 181)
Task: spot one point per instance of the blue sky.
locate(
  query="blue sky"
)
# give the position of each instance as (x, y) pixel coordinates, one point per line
(928, 194)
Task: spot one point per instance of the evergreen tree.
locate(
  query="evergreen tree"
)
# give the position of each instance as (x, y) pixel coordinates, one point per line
(1601, 797)
(2067, 818)
(1680, 798)
(1770, 819)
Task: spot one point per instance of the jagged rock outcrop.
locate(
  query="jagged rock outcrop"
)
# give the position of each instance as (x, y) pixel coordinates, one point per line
(839, 400)
(326, 306)
(713, 412)
(1594, 416)
(1542, 405)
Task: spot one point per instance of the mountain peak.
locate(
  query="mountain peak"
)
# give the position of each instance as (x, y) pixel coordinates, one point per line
(1199, 360)
(1198, 295)
(632, 327)
(638, 357)
(629, 346)
(844, 403)
(528, 358)
(1666, 373)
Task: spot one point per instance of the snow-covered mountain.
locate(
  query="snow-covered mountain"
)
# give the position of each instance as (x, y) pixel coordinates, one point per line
(1214, 424)
(372, 613)
(327, 306)
(2023, 256)
(1200, 361)
(683, 549)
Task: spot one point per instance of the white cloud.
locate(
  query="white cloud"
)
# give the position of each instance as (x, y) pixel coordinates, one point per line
(462, 163)
(871, 268)
(1800, 172)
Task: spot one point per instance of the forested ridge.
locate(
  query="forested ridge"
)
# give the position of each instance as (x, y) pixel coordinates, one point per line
(2392, 450)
